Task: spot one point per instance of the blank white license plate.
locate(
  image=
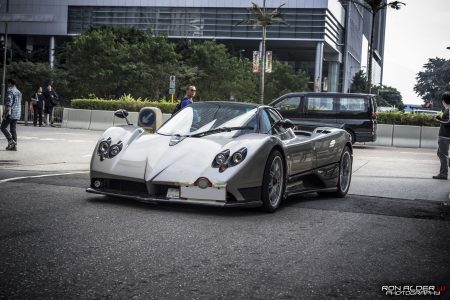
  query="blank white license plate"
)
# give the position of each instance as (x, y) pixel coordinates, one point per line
(173, 193)
(210, 193)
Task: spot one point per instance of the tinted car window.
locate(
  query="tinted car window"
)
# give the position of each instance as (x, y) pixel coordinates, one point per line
(265, 122)
(288, 104)
(268, 119)
(274, 117)
(353, 104)
(320, 104)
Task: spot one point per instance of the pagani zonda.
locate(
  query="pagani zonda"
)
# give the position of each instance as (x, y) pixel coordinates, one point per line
(221, 153)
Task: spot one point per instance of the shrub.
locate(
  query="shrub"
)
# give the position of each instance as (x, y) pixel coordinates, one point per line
(400, 118)
(128, 104)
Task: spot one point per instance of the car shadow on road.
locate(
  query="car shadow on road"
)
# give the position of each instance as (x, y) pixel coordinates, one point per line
(406, 208)
(179, 207)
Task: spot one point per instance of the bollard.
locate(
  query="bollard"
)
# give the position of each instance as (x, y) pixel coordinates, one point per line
(25, 116)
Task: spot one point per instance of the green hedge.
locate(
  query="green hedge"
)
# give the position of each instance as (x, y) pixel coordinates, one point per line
(397, 118)
(400, 118)
(134, 105)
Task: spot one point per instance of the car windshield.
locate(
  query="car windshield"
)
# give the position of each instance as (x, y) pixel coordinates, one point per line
(198, 118)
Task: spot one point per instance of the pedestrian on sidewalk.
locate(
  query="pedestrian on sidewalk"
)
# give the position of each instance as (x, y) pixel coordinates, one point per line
(51, 100)
(187, 99)
(11, 114)
(190, 93)
(37, 100)
(444, 138)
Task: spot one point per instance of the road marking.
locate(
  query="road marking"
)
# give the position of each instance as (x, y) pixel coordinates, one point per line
(416, 153)
(77, 141)
(87, 155)
(55, 139)
(39, 176)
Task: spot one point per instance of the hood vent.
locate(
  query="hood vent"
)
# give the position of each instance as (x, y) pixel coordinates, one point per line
(175, 139)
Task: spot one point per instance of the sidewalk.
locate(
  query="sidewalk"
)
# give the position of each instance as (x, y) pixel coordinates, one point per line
(397, 173)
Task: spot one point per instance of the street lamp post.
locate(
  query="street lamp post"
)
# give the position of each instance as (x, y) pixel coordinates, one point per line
(4, 56)
(263, 57)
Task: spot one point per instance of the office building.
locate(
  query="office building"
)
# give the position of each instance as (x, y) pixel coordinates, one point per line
(326, 38)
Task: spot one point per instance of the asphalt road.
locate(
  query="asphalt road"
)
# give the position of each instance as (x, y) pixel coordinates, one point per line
(57, 241)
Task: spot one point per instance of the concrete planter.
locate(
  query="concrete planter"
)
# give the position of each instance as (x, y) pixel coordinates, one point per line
(387, 134)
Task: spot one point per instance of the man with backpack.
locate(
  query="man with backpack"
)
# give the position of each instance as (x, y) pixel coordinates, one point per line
(190, 93)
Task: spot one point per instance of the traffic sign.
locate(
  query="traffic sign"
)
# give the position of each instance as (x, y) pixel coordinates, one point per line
(147, 118)
(172, 82)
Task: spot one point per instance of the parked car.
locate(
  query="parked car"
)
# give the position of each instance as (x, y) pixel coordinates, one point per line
(426, 112)
(355, 113)
(411, 107)
(222, 154)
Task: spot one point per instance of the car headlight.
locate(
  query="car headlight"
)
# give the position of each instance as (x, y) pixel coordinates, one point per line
(221, 158)
(103, 147)
(238, 156)
(115, 149)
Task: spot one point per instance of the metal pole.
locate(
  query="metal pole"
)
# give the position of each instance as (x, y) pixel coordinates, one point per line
(4, 64)
(26, 113)
(263, 64)
(52, 52)
(263, 57)
(4, 57)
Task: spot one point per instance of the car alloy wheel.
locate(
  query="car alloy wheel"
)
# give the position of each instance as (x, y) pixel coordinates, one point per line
(345, 171)
(273, 182)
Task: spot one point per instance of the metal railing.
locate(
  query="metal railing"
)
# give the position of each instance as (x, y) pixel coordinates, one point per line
(27, 115)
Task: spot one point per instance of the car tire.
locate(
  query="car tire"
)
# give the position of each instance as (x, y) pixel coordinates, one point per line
(274, 182)
(345, 175)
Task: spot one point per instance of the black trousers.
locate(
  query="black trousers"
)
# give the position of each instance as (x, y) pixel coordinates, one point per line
(12, 125)
(37, 114)
(48, 111)
(442, 153)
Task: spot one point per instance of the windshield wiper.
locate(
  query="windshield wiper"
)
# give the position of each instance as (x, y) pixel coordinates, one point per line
(220, 129)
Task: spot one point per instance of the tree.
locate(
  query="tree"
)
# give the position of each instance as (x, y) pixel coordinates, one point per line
(433, 81)
(217, 74)
(29, 76)
(374, 7)
(359, 83)
(112, 61)
(263, 18)
(386, 95)
(284, 79)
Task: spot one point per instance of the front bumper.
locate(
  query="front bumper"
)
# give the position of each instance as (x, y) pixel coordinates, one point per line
(145, 198)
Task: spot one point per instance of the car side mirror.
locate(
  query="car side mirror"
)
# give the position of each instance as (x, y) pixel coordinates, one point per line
(122, 114)
(286, 123)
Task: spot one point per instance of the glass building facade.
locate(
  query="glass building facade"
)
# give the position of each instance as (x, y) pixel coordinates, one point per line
(219, 23)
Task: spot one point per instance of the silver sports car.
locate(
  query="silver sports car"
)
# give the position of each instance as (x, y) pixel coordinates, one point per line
(224, 154)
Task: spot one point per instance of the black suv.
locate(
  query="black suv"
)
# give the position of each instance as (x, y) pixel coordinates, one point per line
(355, 113)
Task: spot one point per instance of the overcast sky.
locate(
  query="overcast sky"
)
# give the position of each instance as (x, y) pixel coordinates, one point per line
(418, 31)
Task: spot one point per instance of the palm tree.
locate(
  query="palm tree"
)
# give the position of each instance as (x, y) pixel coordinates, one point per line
(263, 18)
(373, 7)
